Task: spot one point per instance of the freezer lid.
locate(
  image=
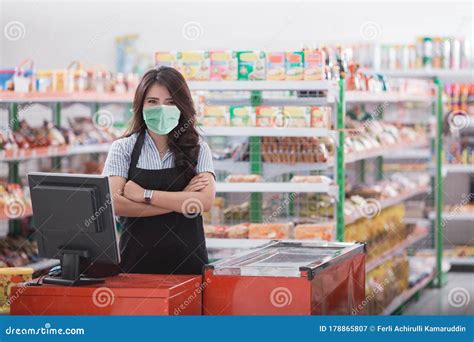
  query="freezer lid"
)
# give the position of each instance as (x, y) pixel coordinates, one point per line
(287, 258)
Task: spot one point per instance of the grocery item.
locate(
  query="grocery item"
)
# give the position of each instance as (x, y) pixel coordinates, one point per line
(321, 117)
(295, 65)
(311, 179)
(9, 277)
(294, 116)
(251, 65)
(224, 65)
(314, 232)
(215, 116)
(275, 231)
(212, 231)
(265, 115)
(314, 64)
(243, 178)
(166, 58)
(194, 65)
(276, 66)
(295, 150)
(242, 116)
(238, 231)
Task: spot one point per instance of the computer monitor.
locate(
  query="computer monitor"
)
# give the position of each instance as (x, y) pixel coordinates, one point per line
(74, 220)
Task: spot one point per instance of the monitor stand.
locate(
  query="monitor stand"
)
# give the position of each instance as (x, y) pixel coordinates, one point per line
(70, 270)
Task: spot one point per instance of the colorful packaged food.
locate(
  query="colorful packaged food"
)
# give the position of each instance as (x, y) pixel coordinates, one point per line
(215, 116)
(275, 66)
(265, 115)
(314, 64)
(311, 179)
(242, 116)
(194, 65)
(224, 65)
(251, 65)
(165, 58)
(212, 231)
(295, 65)
(275, 231)
(295, 116)
(243, 178)
(238, 231)
(314, 232)
(9, 277)
(321, 117)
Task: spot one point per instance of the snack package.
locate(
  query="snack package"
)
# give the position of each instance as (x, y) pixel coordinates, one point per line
(276, 231)
(212, 231)
(164, 58)
(194, 65)
(295, 116)
(295, 65)
(251, 65)
(243, 178)
(275, 66)
(242, 116)
(238, 231)
(314, 232)
(314, 63)
(321, 117)
(224, 65)
(266, 115)
(311, 179)
(215, 116)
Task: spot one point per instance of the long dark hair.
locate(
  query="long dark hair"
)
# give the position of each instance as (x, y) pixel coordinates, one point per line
(183, 140)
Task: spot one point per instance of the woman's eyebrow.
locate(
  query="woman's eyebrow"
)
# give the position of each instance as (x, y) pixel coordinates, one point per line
(152, 98)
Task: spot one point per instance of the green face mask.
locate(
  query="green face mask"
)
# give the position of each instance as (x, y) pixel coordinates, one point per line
(161, 119)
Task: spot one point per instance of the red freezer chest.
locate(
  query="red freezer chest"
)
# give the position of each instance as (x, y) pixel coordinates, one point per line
(124, 294)
(287, 278)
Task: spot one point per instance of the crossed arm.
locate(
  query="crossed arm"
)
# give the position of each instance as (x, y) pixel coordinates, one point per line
(196, 197)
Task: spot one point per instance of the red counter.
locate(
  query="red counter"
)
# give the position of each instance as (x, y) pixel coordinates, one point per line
(124, 294)
(288, 278)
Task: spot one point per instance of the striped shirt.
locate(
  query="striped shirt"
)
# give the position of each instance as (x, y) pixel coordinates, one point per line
(120, 154)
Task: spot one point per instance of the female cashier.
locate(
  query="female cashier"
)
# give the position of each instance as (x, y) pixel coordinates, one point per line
(162, 178)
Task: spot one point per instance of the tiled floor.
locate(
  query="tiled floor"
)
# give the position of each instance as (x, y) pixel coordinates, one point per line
(455, 298)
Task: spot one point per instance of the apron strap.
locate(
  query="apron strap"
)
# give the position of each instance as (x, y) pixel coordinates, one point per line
(137, 149)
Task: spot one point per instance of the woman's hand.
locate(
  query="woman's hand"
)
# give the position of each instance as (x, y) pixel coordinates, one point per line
(133, 191)
(198, 183)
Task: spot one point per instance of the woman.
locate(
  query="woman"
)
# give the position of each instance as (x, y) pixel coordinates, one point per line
(162, 178)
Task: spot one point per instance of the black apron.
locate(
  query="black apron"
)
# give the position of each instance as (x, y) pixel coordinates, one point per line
(165, 244)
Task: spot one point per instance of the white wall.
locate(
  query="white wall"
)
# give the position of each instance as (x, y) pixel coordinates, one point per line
(56, 33)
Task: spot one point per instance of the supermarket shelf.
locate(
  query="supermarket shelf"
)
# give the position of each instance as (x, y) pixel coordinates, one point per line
(381, 152)
(276, 187)
(51, 97)
(260, 85)
(234, 243)
(410, 240)
(48, 152)
(43, 264)
(291, 101)
(266, 132)
(448, 74)
(423, 153)
(387, 96)
(453, 216)
(406, 295)
(461, 261)
(385, 203)
(460, 168)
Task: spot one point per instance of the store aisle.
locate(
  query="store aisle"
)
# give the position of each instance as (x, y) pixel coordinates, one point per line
(455, 298)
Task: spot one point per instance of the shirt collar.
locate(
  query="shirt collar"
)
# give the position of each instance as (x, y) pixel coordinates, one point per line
(150, 141)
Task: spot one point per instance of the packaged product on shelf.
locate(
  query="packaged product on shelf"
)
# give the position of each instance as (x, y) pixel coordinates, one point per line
(238, 231)
(240, 212)
(224, 65)
(194, 65)
(312, 179)
(242, 116)
(314, 232)
(213, 231)
(243, 178)
(314, 64)
(275, 66)
(275, 231)
(216, 214)
(166, 58)
(295, 116)
(251, 65)
(265, 115)
(215, 116)
(295, 65)
(321, 117)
